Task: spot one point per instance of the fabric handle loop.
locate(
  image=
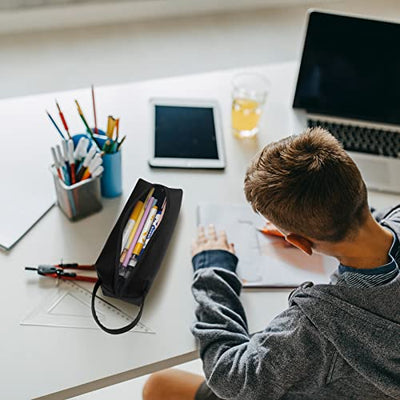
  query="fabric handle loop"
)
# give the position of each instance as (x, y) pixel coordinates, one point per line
(116, 331)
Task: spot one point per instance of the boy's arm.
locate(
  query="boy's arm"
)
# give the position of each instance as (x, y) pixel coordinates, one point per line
(286, 354)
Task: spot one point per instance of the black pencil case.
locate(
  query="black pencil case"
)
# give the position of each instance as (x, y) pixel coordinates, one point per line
(134, 284)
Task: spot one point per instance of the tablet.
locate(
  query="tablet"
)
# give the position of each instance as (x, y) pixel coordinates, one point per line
(186, 134)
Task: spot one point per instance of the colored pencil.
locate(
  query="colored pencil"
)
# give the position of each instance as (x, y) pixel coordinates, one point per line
(94, 111)
(86, 124)
(120, 143)
(63, 119)
(54, 123)
(106, 146)
(117, 124)
(111, 121)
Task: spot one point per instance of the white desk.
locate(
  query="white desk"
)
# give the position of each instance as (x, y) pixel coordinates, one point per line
(63, 362)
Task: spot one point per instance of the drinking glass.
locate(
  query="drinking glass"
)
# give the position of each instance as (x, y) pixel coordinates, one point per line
(249, 93)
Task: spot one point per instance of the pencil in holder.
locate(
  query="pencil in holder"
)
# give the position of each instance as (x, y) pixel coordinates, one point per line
(80, 199)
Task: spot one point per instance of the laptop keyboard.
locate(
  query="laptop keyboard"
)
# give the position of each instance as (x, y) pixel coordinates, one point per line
(362, 139)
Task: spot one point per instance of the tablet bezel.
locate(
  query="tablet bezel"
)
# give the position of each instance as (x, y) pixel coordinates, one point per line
(164, 162)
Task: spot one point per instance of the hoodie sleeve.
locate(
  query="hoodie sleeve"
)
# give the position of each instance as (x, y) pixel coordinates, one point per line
(265, 365)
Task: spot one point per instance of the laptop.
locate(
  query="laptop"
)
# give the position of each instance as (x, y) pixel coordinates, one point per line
(349, 83)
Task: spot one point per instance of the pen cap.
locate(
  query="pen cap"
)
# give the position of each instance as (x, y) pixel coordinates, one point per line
(64, 144)
(96, 161)
(80, 148)
(89, 156)
(84, 147)
(98, 171)
(59, 156)
(55, 159)
(71, 158)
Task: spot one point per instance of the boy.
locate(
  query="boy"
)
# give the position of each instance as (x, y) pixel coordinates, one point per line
(336, 341)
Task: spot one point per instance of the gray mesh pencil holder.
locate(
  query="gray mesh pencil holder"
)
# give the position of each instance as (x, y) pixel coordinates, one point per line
(80, 199)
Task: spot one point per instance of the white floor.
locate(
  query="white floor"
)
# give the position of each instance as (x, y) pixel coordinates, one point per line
(69, 59)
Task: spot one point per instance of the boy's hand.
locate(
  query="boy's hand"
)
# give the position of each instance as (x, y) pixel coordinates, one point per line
(211, 242)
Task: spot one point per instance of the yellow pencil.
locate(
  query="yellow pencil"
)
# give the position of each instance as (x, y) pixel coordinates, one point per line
(135, 227)
(139, 245)
(110, 126)
(131, 223)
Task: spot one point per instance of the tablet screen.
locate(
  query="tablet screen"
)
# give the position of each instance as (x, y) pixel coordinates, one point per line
(185, 132)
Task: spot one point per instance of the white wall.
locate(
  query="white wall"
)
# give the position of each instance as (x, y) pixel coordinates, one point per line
(32, 15)
(51, 60)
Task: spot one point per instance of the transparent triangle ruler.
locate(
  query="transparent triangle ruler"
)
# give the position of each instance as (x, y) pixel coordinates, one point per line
(69, 306)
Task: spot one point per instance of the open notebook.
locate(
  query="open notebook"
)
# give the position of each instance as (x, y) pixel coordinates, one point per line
(264, 261)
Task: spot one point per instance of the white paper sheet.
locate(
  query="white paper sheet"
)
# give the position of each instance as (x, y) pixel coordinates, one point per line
(264, 261)
(27, 191)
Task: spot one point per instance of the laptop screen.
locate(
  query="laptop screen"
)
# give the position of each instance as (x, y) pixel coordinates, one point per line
(350, 67)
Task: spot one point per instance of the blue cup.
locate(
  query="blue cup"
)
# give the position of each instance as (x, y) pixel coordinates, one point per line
(111, 179)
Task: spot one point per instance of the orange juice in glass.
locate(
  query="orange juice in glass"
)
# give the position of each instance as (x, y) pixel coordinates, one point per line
(249, 92)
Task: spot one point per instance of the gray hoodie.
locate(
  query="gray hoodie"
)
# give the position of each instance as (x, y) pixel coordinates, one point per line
(333, 342)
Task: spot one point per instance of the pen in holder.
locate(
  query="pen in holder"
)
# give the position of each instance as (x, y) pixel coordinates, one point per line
(111, 179)
(80, 199)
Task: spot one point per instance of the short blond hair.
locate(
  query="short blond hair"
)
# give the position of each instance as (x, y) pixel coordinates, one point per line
(308, 185)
